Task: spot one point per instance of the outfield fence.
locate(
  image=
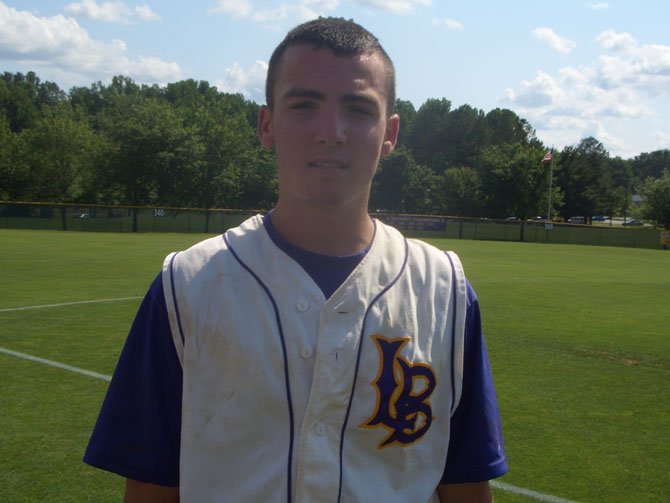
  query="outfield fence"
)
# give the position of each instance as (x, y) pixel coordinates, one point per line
(98, 218)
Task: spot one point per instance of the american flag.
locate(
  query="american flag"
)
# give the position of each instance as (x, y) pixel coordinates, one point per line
(548, 156)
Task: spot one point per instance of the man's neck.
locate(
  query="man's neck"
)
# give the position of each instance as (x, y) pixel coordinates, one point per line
(323, 230)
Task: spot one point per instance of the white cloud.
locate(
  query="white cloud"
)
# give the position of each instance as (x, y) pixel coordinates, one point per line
(598, 5)
(643, 67)
(247, 81)
(111, 12)
(60, 46)
(622, 42)
(662, 140)
(144, 13)
(301, 10)
(452, 24)
(395, 6)
(624, 85)
(542, 91)
(236, 8)
(556, 42)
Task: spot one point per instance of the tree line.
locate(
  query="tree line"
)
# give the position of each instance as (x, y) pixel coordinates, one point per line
(188, 145)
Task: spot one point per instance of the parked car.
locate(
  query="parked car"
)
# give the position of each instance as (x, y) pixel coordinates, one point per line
(599, 218)
(576, 220)
(633, 221)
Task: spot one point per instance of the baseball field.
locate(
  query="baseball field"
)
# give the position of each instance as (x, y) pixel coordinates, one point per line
(578, 337)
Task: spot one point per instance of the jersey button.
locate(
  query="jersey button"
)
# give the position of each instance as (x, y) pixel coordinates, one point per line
(302, 305)
(320, 429)
(305, 351)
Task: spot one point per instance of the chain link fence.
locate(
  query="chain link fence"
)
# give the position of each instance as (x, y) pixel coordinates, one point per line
(74, 217)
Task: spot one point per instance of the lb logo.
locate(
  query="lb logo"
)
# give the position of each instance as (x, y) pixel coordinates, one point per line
(403, 389)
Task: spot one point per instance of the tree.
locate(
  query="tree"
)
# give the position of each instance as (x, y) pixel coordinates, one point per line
(23, 97)
(464, 136)
(403, 186)
(58, 152)
(651, 165)
(462, 192)
(231, 161)
(622, 182)
(584, 176)
(153, 156)
(12, 180)
(386, 193)
(408, 116)
(507, 127)
(514, 181)
(656, 203)
(427, 143)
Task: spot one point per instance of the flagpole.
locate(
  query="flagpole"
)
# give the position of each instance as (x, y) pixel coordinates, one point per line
(551, 177)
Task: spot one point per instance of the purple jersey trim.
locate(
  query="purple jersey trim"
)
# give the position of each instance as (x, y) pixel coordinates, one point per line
(358, 361)
(454, 303)
(289, 401)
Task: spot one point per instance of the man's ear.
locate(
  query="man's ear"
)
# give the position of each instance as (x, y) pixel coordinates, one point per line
(391, 136)
(265, 131)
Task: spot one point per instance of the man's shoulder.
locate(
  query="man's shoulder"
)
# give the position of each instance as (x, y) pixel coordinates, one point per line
(207, 248)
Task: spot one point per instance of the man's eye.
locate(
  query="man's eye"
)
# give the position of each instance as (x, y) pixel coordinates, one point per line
(361, 111)
(303, 105)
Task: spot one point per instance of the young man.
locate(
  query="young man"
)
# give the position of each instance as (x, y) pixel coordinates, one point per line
(313, 353)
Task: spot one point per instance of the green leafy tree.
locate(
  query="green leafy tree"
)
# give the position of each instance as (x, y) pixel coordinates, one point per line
(23, 97)
(420, 193)
(408, 116)
(464, 136)
(58, 152)
(259, 180)
(152, 155)
(386, 193)
(656, 199)
(427, 142)
(621, 174)
(584, 176)
(462, 192)
(507, 127)
(13, 179)
(651, 164)
(231, 159)
(514, 181)
(401, 185)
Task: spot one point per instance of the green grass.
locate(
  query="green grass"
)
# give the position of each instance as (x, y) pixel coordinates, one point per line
(579, 344)
(577, 336)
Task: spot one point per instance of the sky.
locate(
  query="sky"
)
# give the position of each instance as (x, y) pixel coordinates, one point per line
(571, 68)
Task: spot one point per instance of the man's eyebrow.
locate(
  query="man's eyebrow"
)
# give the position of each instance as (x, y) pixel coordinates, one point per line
(299, 92)
(360, 98)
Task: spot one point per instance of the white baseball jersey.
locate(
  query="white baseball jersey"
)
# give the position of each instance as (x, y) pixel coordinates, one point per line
(288, 396)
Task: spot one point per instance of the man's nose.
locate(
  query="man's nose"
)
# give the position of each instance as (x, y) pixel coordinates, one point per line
(331, 128)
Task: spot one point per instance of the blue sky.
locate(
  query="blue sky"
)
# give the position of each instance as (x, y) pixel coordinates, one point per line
(572, 68)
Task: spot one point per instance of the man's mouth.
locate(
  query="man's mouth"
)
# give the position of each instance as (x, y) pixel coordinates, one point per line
(327, 164)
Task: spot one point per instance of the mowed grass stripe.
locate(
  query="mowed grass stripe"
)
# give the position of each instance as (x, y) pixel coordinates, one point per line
(534, 495)
(62, 304)
(52, 363)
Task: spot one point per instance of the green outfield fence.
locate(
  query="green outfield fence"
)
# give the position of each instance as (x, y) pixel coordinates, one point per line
(97, 218)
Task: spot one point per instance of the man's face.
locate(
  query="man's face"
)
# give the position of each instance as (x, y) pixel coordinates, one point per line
(329, 127)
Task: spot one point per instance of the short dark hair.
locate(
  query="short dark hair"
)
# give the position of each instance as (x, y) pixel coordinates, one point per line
(342, 36)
